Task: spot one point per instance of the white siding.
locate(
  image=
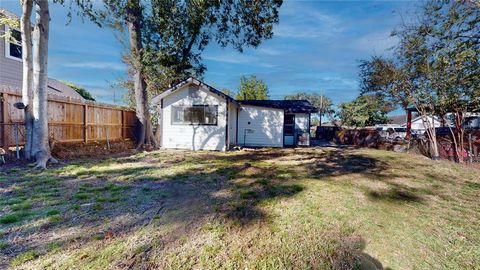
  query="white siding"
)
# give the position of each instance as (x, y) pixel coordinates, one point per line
(259, 126)
(11, 76)
(194, 137)
(417, 124)
(232, 124)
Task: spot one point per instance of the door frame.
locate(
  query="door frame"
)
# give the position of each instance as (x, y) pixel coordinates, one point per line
(294, 124)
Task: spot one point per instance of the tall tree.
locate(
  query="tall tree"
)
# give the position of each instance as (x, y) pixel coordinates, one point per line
(321, 102)
(167, 37)
(40, 143)
(365, 110)
(34, 81)
(382, 77)
(252, 88)
(437, 66)
(27, 80)
(452, 35)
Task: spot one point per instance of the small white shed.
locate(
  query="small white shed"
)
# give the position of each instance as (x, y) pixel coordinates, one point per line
(196, 116)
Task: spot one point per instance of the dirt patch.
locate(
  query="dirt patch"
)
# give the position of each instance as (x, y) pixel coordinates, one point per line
(80, 150)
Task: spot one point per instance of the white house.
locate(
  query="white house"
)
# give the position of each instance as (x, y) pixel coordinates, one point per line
(418, 125)
(194, 115)
(400, 121)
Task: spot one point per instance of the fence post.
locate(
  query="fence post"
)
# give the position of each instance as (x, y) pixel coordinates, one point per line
(4, 119)
(470, 147)
(106, 135)
(122, 134)
(85, 123)
(17, 148)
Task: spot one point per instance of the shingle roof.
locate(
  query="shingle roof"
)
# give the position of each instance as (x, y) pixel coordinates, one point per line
(58, 88)
(398, 119)
(194, 81)
(54, 89)
(292, 106)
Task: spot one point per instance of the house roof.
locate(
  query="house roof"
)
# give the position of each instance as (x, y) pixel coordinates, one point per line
(58, 88)
(54, 89)
(292, 106)
(193, 81)
(8, 14)
(398, 119)
(419, 118)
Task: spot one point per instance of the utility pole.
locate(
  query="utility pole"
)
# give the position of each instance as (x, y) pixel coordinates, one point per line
(321, 107)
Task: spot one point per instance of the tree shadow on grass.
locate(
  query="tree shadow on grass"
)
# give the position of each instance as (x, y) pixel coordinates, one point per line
(107, 203)
(76, 207)
(374, 171)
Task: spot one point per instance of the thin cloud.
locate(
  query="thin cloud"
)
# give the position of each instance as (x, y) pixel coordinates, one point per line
(375, 42)
(231, 58)
(306, 22)
(97, 65)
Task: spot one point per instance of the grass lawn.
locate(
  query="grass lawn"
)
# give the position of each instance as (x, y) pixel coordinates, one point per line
(266, 209)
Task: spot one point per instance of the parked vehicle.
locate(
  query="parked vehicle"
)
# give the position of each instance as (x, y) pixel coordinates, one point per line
(400, 133)
(392, 133)
(471, 122)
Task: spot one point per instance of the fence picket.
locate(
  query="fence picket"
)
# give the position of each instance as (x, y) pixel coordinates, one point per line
(69, 121)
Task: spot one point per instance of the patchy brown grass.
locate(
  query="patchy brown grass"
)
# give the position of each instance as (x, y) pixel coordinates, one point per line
(264, 209)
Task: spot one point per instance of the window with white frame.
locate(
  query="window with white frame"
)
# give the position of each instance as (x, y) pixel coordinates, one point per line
(13, 44)
(195, 115)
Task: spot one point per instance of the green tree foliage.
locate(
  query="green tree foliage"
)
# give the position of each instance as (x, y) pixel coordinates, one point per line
(321, 102)
(366, 110)
(82, 91)
(382, 77)
(436, 67)
(167, 38)
(252, 88)
(227, 92)
(177, 32)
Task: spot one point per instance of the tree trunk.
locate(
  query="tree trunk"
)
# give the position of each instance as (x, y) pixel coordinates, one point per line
(27, 80)
(430, 130)
(134, 24)
(40, 146)
(459, 116)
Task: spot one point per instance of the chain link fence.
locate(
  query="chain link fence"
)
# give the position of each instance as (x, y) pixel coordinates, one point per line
(13, 135)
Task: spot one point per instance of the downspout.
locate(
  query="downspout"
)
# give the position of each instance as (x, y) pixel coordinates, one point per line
(283, 129)
(161, 123)
(236, 126)
(226, 129)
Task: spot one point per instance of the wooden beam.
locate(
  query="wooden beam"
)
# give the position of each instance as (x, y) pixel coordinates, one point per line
(85, 123)
(122, 132)
(5, 119)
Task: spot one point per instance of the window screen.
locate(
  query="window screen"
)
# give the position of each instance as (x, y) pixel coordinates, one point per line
(195, 115)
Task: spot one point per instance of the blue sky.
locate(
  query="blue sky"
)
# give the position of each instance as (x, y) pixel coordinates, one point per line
(316, 47)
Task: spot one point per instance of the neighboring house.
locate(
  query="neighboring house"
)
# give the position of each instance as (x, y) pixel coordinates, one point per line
(398, 120)
(194, 115)
(417, 123)
(11, 68)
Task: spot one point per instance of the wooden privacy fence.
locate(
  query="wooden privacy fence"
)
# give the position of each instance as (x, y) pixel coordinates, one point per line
(68, 121)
